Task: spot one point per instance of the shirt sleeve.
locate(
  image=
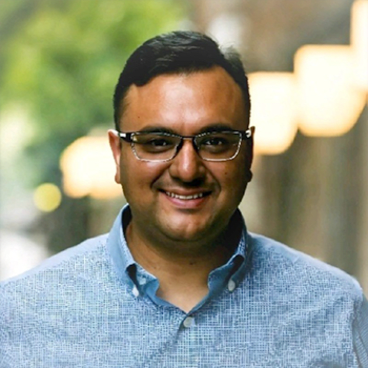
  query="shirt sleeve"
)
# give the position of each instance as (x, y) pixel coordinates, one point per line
(361, 334)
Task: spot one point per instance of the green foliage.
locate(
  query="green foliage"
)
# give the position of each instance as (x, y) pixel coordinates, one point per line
(61, 60)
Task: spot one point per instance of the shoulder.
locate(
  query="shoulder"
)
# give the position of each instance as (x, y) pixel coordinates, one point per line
(68, 264)
(294, 271)
(69, 281)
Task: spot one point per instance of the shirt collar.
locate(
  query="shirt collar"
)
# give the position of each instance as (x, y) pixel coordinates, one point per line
(117, 247)
(132, 273)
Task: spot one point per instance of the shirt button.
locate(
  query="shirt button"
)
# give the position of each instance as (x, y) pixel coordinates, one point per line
(141, 280)
(135, 291)
(188, 322)
(231, 285)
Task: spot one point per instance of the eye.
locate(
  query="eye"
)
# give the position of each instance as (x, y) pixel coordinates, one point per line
(218, 142)
(155, 143)
(158, 142)
(214, 141)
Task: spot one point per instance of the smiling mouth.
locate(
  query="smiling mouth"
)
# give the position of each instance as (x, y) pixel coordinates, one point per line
(186, 197)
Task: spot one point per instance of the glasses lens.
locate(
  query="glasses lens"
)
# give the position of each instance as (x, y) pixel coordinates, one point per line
(155, 146)
(218, 145)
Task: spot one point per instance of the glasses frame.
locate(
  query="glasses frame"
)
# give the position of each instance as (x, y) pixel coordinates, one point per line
(243, 135)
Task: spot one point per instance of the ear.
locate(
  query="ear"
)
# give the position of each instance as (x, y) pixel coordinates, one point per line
(115, 146)
(250, 154)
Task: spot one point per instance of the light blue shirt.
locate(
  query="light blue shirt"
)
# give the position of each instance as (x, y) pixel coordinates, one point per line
(269, 306)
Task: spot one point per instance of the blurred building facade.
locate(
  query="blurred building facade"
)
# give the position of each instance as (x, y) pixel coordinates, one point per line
(314, 196)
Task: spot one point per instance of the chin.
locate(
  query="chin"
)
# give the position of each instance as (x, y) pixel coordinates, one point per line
(189, 232)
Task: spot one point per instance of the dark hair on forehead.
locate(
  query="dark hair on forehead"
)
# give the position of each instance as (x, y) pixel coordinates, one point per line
(177, 52)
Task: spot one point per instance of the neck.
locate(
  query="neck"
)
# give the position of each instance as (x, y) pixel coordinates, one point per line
(182, 268)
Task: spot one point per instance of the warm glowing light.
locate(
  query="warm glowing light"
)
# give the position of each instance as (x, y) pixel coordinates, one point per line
(329, 102)
(273, 111)
(359, 42)
(227, 29)
(88, 169)
(47, 197)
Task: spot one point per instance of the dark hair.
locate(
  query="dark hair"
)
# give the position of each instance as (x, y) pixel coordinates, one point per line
(177, 52)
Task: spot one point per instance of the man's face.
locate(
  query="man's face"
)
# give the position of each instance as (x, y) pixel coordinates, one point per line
(162, 195)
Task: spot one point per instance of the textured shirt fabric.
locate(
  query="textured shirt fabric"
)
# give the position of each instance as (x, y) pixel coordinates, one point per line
(269, 306)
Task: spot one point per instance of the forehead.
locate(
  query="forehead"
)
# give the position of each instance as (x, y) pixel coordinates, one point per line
(189, 101)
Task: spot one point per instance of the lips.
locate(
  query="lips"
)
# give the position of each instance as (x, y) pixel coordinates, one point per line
(185, 197)
(187, 201)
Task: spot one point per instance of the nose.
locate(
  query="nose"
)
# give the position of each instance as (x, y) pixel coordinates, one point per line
(187, 166)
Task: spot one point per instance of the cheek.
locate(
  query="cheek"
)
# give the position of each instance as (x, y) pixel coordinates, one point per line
(233, 178)
(137, 176)
(232, 170)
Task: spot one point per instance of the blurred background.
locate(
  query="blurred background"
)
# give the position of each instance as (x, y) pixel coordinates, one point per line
(307, 64)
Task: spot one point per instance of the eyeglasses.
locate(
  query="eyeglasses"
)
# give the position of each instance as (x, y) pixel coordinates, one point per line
(163, 146)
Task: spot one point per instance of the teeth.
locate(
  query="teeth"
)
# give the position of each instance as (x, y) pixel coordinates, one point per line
(194, 196)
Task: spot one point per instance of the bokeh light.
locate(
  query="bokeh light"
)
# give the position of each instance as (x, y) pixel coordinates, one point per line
(329, 101)
(273, 111)
(47, 197)
(359, 41)
(88, 169)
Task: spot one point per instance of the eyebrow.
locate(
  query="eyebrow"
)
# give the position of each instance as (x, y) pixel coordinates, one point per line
(157, 129)
(217, 127)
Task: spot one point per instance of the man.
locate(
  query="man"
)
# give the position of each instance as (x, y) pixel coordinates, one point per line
(178, 281)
